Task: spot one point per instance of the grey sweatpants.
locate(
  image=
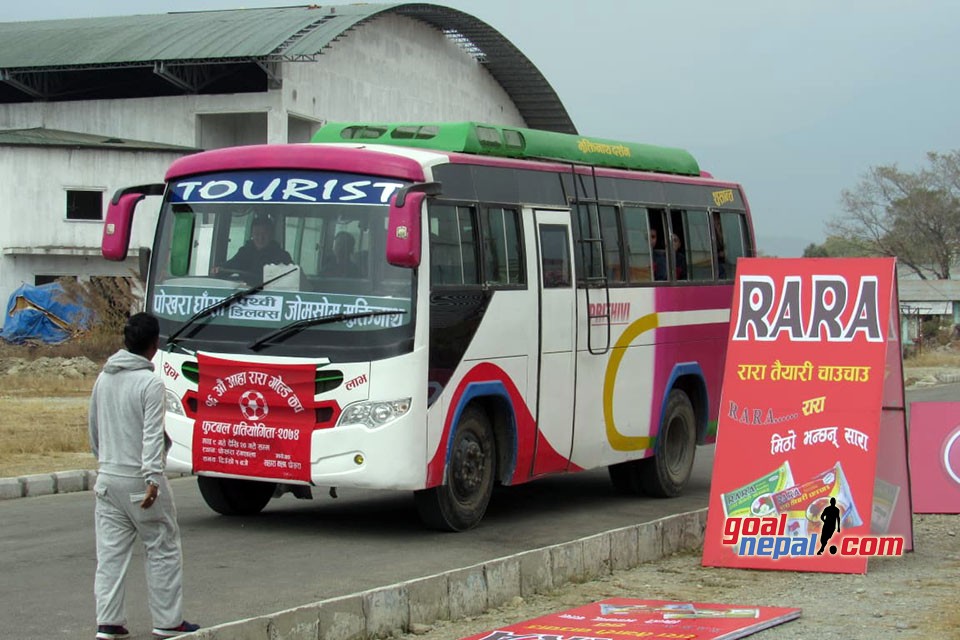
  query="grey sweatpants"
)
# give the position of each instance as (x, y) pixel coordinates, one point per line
(119, 521)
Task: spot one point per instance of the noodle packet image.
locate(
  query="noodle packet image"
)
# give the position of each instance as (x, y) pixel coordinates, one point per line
(756, 498)
(803, 503)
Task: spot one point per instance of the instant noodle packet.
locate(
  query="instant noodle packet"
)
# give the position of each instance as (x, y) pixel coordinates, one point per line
(756, 498)
(803, 503)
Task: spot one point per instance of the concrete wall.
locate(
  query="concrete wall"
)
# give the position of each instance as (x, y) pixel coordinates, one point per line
(395, 68)
(34, 181)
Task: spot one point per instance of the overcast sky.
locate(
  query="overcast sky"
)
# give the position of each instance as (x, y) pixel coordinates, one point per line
(794, 100)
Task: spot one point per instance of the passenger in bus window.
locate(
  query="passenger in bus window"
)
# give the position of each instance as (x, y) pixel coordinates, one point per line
(721, 252)
(659, 258)
(260, 250)
(341, 264)
(681, 258)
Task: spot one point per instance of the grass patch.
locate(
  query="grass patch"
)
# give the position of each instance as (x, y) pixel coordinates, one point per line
(935, 358)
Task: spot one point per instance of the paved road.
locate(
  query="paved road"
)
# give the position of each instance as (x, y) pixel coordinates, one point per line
(301, 551)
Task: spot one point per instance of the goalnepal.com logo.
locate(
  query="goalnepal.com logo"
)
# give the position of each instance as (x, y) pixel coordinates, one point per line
(766, 537)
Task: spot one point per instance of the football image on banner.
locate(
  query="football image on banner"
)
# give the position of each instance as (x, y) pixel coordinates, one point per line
(254, 419)
(627, 618)
(800, 417)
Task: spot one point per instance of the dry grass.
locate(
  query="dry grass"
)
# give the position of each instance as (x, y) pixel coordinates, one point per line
(935, 358)
(39, 435)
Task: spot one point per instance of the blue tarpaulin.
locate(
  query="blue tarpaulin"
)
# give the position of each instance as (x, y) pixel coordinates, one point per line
(38, 314)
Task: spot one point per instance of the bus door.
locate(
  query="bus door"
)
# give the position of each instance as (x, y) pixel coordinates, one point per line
(557, 351)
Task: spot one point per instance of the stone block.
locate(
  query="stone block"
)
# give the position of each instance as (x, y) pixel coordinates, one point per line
(596, 556)
(251, 629)
(428, 599)
(343, 619)
(649, 541)
(386, 611)
(468, 592)
(673, 532)
(41, 484)
(302, 623)
(623, 548)
(503, 580)
(536, 575)
(566, 563)
(70, 481)
(10, 488)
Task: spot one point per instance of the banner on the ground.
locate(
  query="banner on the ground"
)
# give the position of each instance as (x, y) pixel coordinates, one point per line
(811, 345)
(628, 618)
(254, 419)
(935, 457)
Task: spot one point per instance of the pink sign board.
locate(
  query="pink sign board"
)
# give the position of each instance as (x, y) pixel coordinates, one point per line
(935, 457)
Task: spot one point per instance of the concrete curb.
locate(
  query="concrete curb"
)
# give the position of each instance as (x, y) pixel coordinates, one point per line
(387, 611)
(45, 484)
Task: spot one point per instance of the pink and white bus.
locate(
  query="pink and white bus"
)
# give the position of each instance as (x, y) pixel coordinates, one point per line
(438, 308)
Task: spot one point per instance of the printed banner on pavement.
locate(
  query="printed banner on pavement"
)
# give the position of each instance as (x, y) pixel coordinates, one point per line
(628, 618)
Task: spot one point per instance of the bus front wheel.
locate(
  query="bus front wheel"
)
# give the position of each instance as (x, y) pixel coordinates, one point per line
(667, 472)
(232, 497)
(460, 502)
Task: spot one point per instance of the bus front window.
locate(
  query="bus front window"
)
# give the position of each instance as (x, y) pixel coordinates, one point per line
(318, 258)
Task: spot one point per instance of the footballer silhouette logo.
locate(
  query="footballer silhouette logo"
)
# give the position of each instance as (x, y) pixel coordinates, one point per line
(253, 405)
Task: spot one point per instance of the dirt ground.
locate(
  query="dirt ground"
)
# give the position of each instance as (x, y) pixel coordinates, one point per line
(908, 598)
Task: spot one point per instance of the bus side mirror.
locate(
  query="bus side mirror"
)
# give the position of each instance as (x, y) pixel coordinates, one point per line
(115, 241)
(403, 224)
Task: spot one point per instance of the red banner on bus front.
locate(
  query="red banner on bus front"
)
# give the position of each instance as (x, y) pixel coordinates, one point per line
(254, 419)
(794, 474)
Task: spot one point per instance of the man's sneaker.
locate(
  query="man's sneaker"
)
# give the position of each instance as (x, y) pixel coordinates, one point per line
(185, 627)
(112, 632)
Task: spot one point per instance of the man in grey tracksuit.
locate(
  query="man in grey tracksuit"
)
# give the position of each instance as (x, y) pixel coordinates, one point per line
(133, 497)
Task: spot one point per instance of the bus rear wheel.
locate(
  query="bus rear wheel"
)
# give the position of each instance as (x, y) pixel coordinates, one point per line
(233, 497)
(460, 502)
(667, 472)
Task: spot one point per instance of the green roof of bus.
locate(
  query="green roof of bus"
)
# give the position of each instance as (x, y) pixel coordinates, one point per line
(514, 142)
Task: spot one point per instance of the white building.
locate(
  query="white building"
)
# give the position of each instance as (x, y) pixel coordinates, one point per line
(91, 105)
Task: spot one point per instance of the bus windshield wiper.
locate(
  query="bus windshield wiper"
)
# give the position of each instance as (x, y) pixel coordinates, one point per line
(288, 330)
(206, 311)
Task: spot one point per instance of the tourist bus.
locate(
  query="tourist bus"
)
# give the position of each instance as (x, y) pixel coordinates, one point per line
(438, 308)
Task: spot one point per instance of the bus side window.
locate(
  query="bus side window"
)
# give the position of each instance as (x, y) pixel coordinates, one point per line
(610, 231)
(554, 256)
(677, 245)
(503, 261)
(452, 246)
(658, 242)
(638, 244)
(698, 246)
(735, 243)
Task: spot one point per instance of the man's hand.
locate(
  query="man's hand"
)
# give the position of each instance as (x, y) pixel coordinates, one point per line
(150, 497)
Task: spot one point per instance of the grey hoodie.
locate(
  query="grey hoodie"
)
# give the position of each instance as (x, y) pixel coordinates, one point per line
(126, 418)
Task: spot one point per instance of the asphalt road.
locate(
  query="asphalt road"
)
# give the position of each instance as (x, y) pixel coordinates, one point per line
(302, 551)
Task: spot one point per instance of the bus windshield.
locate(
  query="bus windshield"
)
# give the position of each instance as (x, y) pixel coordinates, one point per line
(314, 241)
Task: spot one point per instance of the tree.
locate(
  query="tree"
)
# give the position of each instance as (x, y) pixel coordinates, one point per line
(837, 247)
(913, 216)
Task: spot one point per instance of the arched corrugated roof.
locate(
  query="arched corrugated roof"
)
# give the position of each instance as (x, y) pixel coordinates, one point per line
(48, 59)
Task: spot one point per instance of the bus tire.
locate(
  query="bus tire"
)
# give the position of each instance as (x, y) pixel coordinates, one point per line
(666, 473)
(233, 497)
(460, 502)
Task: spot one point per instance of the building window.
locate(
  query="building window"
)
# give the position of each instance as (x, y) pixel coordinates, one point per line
(84, 205)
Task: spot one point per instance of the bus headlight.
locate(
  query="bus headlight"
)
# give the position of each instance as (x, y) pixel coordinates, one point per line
(173, 403)
(374, 414)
